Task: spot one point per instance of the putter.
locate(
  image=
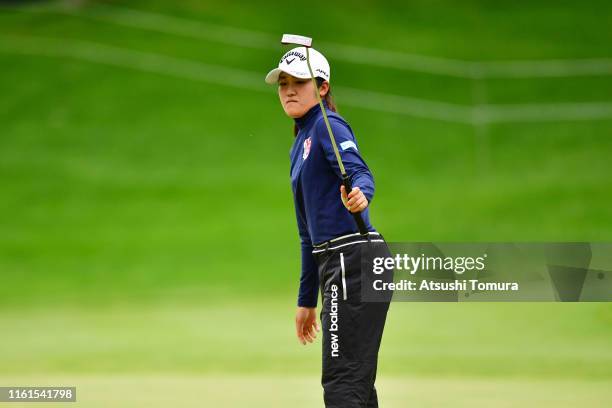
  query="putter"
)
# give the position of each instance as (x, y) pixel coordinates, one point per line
(306, 42)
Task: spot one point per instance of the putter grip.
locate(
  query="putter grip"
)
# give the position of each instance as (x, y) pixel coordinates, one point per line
(357, 216)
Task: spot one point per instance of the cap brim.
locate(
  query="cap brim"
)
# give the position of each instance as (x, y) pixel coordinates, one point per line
(272, 77)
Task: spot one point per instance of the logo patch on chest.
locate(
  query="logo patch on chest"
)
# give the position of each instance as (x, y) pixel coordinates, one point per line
(307, 144)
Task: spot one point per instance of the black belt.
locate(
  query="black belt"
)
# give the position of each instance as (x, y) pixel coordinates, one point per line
(346, 240)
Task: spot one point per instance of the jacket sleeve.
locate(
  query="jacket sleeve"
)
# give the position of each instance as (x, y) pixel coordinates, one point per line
(309, 279)
(355, 166)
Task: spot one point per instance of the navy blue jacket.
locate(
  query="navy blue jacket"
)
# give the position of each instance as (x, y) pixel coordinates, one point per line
(316, 180)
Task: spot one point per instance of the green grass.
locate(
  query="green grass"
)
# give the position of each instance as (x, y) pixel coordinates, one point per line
(251, 336)
(274, 391)
(129, 355)
(147, 235)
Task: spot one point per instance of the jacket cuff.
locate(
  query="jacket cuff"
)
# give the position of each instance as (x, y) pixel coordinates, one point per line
(307, 303)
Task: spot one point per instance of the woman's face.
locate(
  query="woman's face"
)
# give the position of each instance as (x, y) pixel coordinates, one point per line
(297, 95)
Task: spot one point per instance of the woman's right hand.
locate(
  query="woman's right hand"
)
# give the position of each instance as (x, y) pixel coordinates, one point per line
(306, 326)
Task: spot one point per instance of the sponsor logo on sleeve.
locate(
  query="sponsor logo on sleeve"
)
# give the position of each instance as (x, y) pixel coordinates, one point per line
(348, 144)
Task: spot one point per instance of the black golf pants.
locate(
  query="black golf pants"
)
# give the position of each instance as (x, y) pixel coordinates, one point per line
(352, 329)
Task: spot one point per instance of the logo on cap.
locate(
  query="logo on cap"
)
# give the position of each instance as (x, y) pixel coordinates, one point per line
(322, 72)
(298, 54)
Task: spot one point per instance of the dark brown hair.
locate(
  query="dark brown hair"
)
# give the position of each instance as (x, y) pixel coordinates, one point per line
(328, 99)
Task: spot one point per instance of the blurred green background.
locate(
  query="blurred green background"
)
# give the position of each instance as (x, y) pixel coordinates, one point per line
(148, 248)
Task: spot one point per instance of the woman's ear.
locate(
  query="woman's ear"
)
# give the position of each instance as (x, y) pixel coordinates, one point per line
(324, 88)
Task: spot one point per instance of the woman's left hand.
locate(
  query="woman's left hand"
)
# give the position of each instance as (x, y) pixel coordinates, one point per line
(356, 201)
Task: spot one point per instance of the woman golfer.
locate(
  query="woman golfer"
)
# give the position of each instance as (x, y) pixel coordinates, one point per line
(333, 251)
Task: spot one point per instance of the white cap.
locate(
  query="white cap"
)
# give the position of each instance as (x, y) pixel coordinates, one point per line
(294, 64)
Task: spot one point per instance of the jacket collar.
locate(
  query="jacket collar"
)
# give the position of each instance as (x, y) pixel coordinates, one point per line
(312, 113)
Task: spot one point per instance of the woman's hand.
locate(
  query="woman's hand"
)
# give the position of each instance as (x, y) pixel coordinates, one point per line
(306, 326)
(356, 201)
